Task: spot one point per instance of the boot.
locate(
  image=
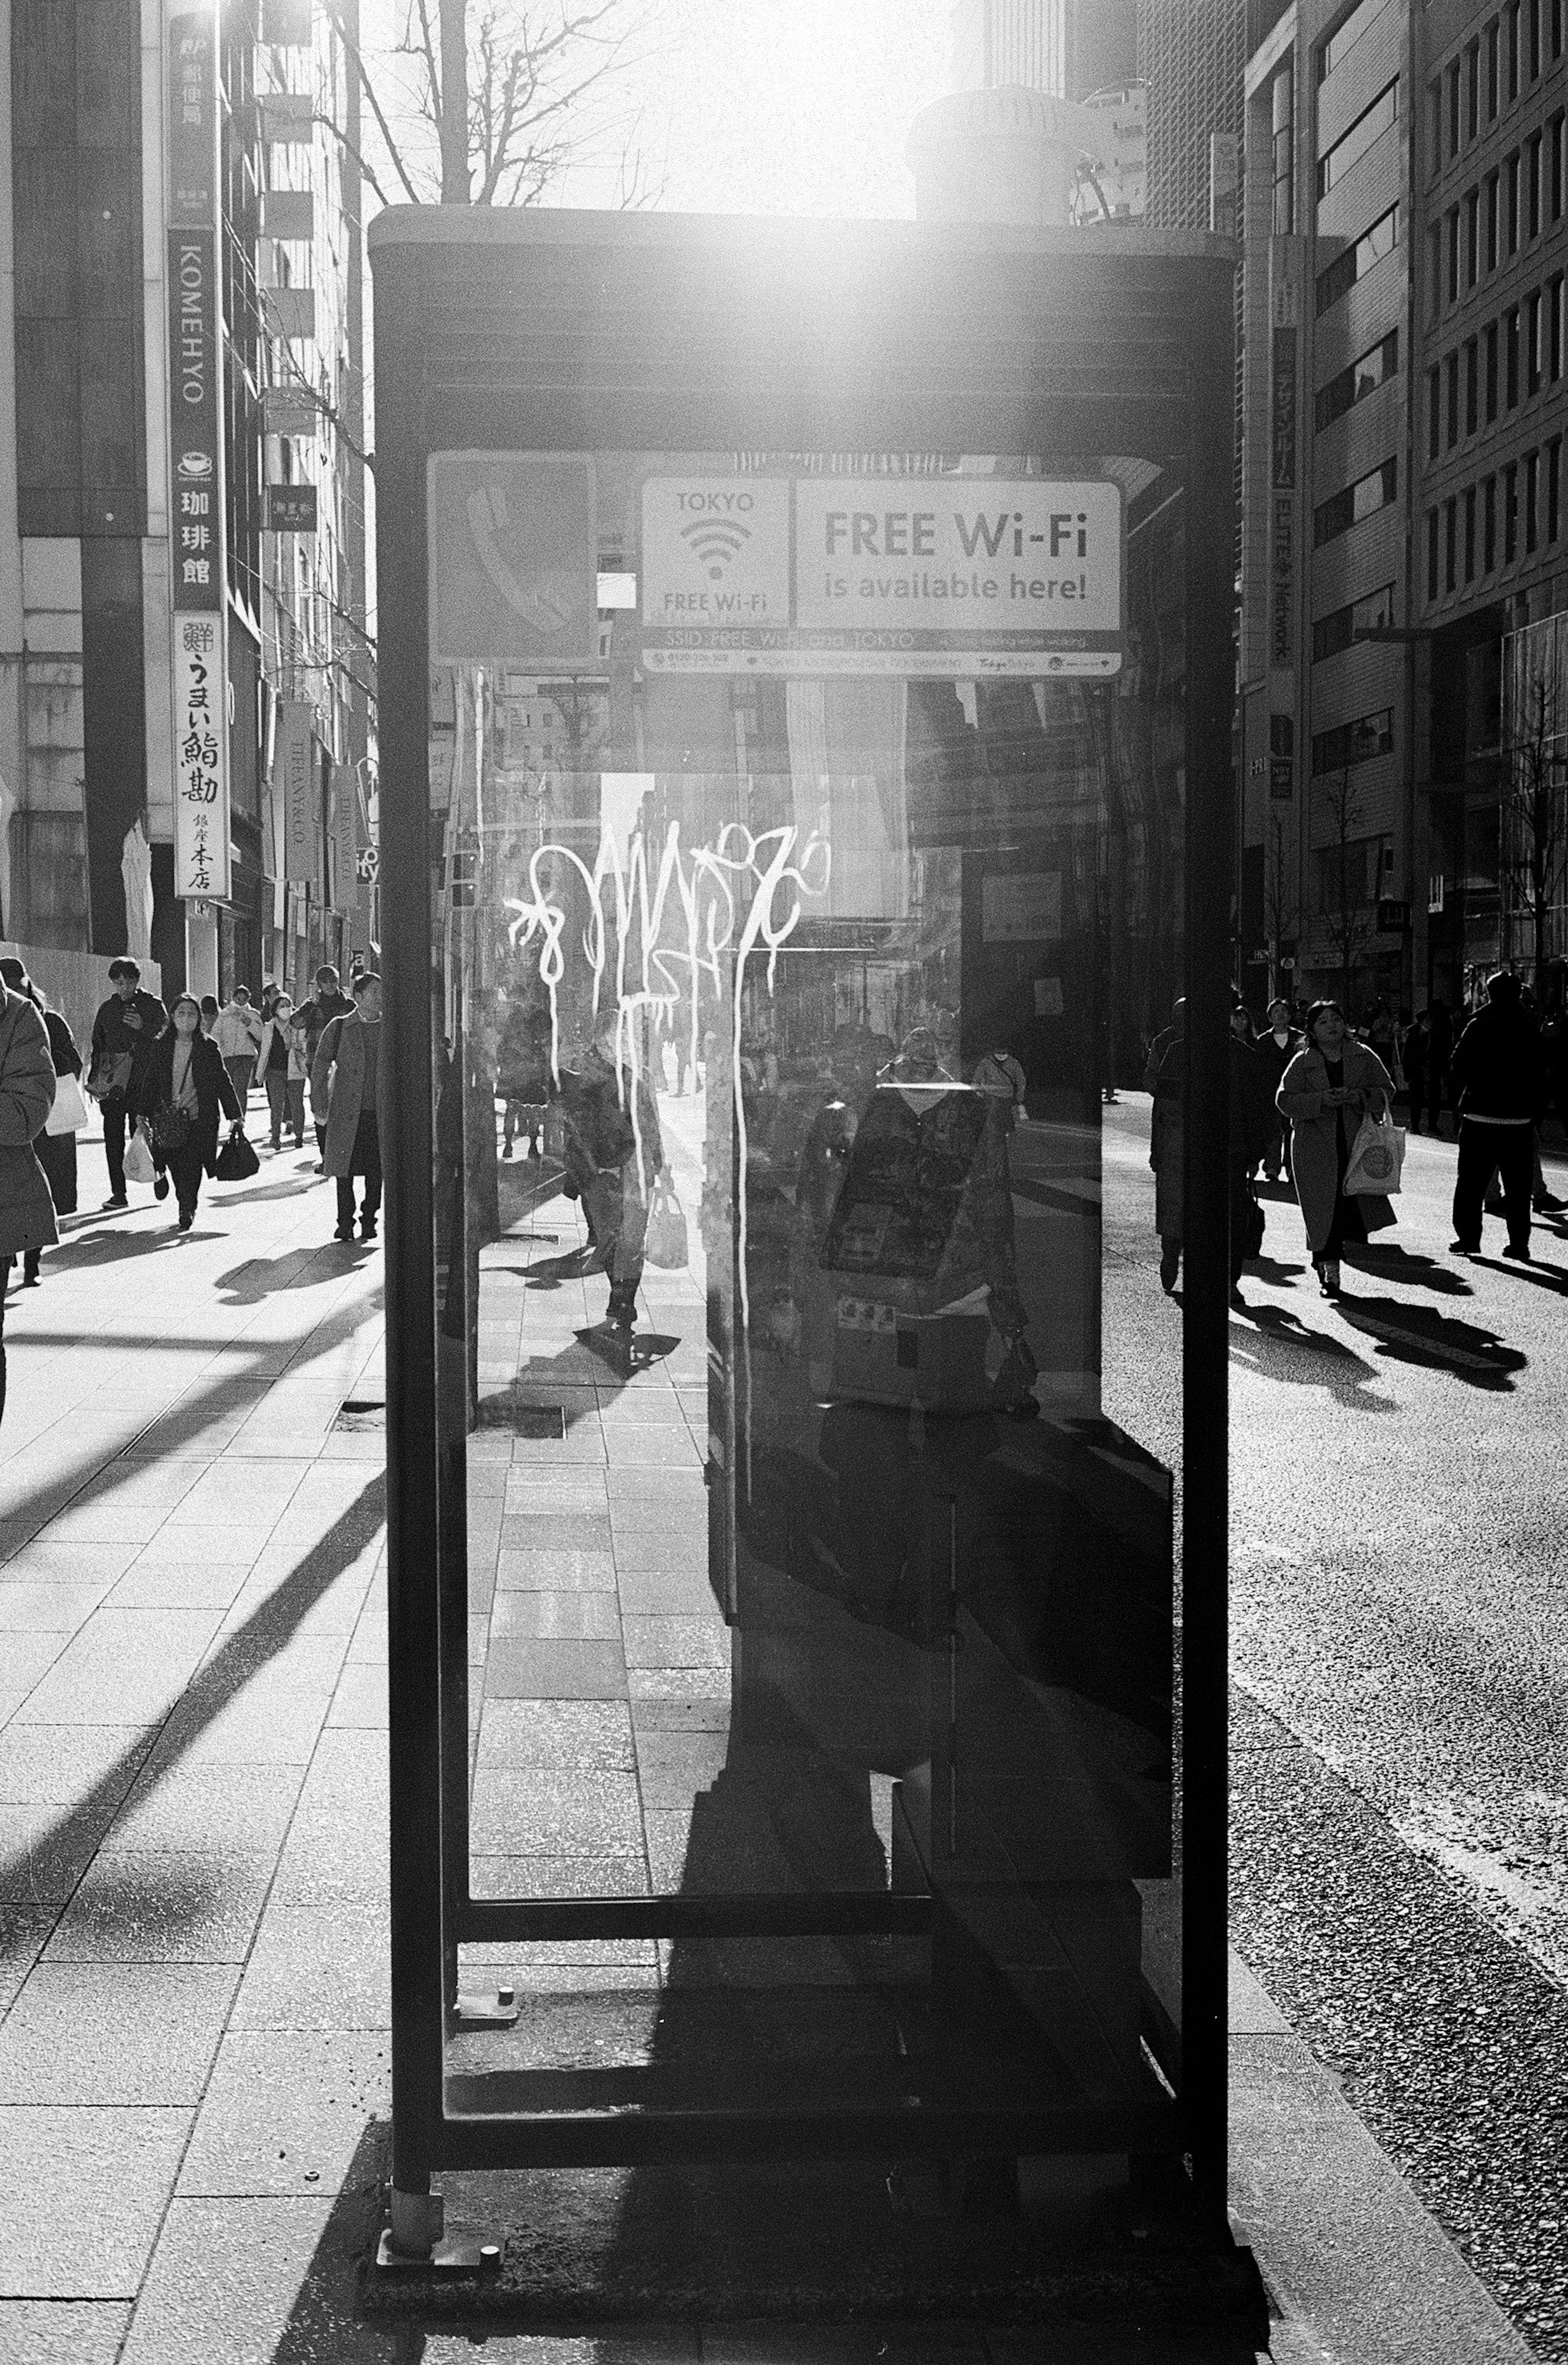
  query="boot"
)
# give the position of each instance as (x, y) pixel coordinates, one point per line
(622, 1308)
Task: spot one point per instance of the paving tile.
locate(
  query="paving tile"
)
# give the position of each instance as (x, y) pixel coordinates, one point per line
(125, 1666)
(164, 1909)
(136, 1480)
(50, 1559)
(673, 1767)
(179, 1547)
(586, 1735)
(49, 1765)
(556, 1617)
(680, 1712)
(331, 1857)
(286, 2288)
(62, 2332)
(652, 1446)
(555, 1571)
(23, 1929)
(360, 1699)
(114, 2032)
(642, 1546)
(27, 1657)
(556, 1671)
(256, 1724)
(585, 1875)
(676, 1642)
(48, 1607)
(668, 1592)
(677, 1684)
(85, 2189)
(318, 1967)
(536, 1811)
(44, 1850)
(114, 1522)
(206, 1809)
(284, 2111)
(158, 1582)
(556, 1531)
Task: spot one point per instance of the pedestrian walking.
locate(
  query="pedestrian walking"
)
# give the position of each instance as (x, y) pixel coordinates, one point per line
(347, 1083)
(27, 1095)
(1277, 1048)
(237, 1036)
(55, 1152)
(1168, 1082)
(613, 1154)
(281, 1065)
(1499, 1079)
(209, 1013)
(1439, 1035)
(1330, 1085)
(1252, 1114)
(124, 1031)
(1416, 1053)
(184, 1087)
(315, 1016)
(1002, 1076)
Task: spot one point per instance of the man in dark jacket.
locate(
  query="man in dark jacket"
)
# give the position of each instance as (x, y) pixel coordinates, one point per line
(316, 1016)
(1497, 1080)
(127, 1027)
(612, 1153)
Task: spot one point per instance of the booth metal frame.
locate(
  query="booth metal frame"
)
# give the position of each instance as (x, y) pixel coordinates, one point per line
(545, 330)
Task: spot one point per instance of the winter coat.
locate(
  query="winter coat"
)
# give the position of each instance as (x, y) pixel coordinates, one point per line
(295, 1065)
(214, 1090)
(1277, 1057)
(337, 1086)
(1251, 1102)
(27, 1095)
(112, 1037)
(596, 1099)
(1315, 1132)
(237, 1031)
(1497, 1066)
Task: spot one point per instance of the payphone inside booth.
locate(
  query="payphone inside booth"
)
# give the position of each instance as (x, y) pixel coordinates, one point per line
(805, 673)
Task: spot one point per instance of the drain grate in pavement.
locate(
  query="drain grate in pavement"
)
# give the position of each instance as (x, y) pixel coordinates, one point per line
(503, 1411)
(362, 1412)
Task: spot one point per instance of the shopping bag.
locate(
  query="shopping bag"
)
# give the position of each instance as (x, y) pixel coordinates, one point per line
(666, 1243)
(237, 1161)
(138, 1165)
(69, 1113)
(1377, 1156)
(109, 1073)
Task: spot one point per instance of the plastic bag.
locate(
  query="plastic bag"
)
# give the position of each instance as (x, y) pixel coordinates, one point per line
(1377, 1157)
(237, 1161)
(138, 1165)
(666, 1243)
(69, 1113)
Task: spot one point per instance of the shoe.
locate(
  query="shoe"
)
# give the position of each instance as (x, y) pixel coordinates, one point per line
(187, 1218)
(341, 1235)
(322, 1167)
(1520, 1254)
(622, 1308)
(1464, 1248)
(1239, 1301)
(1169, 1275)
(506, 1149)
(1548, 1206)
(161, 1186)
(117, 1199)
(1329, 1277)
(367, 1232)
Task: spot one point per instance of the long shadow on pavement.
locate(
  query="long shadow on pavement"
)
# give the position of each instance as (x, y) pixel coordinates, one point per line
(1391, 1263)
(1541, 1276)
(1419, 1334)
(1318, 1362)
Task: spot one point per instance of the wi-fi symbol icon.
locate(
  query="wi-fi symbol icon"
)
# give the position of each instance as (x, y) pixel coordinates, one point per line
(715, 541)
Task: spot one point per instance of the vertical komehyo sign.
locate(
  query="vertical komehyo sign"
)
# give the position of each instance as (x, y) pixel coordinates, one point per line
(199, 669)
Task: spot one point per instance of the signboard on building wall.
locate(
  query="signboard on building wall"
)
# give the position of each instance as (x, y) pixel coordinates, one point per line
(291, 508)
(1284, 435)
(347, 839)
(297, 771)
(198, 575)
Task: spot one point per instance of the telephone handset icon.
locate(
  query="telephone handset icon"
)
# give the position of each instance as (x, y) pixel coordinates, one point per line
(486, 512)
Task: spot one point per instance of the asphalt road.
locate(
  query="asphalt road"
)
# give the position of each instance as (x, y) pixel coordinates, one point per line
(1399, 1540)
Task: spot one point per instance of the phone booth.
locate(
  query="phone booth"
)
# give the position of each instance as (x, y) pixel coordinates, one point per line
(805, 704)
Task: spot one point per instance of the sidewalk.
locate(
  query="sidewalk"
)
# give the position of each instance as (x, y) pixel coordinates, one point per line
(194, 2080)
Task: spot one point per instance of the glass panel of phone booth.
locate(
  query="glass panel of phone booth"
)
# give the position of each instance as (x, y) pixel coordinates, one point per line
(817, 1472)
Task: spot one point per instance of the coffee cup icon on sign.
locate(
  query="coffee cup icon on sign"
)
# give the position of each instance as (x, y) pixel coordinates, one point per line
(544, 600)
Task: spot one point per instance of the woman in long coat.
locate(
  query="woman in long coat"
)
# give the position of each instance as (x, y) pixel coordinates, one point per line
(55, 1152)
(186, 1072)
(1330, 1086)
(27, 1095)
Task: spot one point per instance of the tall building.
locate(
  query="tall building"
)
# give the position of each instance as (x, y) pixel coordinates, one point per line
(1070, 49)
(182, 249)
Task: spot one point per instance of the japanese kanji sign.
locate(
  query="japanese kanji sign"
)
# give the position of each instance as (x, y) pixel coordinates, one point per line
(201, 760)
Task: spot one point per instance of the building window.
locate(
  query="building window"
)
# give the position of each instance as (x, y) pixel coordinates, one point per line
(1370, 125)
(1355, 743)
(1283, 118)
(1453, 108)
(1373, 612)
(1360, 377)
(1492, 71)
(1532, 185)
(1471, 386)
(1491, 222)
(1434, 413)
(1452, 228)
(1511, 362)
(1343, 509)
(1554, 488)
(1471, 237)
(1511, 202)
(1554, 329)
(1358, 260)
(1432, 554)
(1534, 22)
(1511, 24)
(1338, 46)
(1533, 487)
(1470, 535)
(1510, 513)
(1555, 167)
(1453, 398)
(1557, 28)
(1532, 342)
(1450, 538)
(1435, 117)
(1491, 372)
(1473, 90)
(1489, 525)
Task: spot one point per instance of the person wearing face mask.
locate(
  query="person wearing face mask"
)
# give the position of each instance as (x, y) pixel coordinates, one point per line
(1277, 1048)
(282, 1067)
(181, 1090)
(1330, 1085)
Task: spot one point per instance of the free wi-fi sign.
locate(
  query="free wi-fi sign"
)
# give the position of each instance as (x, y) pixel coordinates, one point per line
(717, 541)
(715, 552)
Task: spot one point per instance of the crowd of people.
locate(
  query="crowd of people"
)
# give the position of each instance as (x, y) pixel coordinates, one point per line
(1304, 1084)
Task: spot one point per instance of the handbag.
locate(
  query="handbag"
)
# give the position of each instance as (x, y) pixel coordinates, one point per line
(1377, 1157)
(69, 1113)
(170, 1127)
(237, 1161)
(138, 1165)
(110, 1074)
(666, 1244)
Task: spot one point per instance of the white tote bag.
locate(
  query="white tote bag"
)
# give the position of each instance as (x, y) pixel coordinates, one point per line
(1377, 1157)
(69, 1113)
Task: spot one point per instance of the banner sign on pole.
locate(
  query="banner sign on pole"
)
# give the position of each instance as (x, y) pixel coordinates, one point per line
(291, 508)
(297, 771)
(198, 572)
(346, 838)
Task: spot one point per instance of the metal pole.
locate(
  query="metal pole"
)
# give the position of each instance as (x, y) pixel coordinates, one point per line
(413, 1685)
(1206, 1238)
